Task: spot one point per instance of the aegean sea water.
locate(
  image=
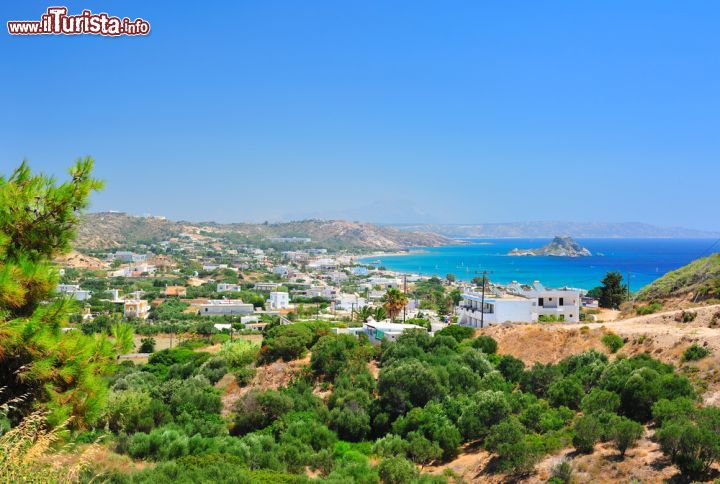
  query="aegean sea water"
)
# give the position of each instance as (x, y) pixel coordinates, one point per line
(645, 260)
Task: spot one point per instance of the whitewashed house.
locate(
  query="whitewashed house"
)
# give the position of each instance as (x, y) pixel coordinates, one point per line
(74, 291)
(216, 307)
(224, 287)
(279, 300)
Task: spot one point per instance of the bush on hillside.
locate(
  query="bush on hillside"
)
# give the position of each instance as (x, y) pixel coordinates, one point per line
(613, 342)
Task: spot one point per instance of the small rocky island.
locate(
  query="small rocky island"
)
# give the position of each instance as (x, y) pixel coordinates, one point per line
(559, 247)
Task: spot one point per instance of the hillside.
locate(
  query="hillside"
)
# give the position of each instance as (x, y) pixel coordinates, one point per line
(109, 230)
(698, 280)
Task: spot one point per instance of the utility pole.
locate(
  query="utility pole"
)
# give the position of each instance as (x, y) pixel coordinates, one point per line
(405, 292)
(352, 312)
(482, 302)
(628, 286)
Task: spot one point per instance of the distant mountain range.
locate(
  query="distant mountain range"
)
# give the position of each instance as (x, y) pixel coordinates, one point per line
(551, 229)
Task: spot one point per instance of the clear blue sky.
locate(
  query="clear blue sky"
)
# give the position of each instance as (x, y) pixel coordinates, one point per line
(442, 111)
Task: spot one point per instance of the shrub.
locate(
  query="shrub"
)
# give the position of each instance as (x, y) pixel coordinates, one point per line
(588, 431)
(599, 400)
(665, 409)
(516, 452)
(511, 368)
(243, 376)
(256, 410)
(458, 332)
(396, 470)
(332, 353)
(686, 316)
(693, 445)
(390, 446)
(625, 433)
(653, 307)
(562, 473)
(613, 342)
(695, 352)
(485, 409)
(486, 344)
(567, 392)
(147, 345)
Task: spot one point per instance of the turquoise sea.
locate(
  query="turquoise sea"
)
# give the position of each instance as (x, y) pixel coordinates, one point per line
(644, 259)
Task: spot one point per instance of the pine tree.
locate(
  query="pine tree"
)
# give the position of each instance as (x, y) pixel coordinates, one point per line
(39, 364)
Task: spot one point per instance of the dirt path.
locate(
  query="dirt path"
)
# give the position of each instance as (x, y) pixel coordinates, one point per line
(661, 323)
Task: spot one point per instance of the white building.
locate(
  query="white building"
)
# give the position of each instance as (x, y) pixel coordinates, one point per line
(348, 302)
(136, 308)
(522, 304)
(215, 307)
(223, 287)
(127, 256)
(74, 291)
(279, 300)
(267, 286)
(385, 330)
(384, 282)
(134, 270)
(563, 304)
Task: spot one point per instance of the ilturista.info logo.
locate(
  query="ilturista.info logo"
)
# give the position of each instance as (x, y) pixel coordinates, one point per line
(56, 21)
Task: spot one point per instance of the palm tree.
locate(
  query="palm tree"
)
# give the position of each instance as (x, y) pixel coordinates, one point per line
(394, 301)
(364, 313)
(379, 314)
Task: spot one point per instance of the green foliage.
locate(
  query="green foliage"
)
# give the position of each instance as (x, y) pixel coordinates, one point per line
(538, 379)
(701, 277)
(123, 337)
(458, 332)
(511, 368)
(599, 401)
(333, 353)
(433, 424)
(688, 316)
(588, 430)
(566, 392)
(396, 470)
(239, 353)
(147, 345)
(649, 308)
(406, 385)
(562, 473)
(665, 409)
(612, 291)
(695, 352)
(256, 410)
(625, 433)
(692, 442)
(486, 344)
(516, 452)
(484, 409)
(613, 342)
(38, 220)
(291, 341)
(394, 301)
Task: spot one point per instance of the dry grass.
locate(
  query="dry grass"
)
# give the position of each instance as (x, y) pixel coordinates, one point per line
(28, 454)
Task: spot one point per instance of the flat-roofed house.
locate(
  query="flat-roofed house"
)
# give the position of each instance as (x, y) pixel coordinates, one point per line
(136, 308)
(217, 307)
